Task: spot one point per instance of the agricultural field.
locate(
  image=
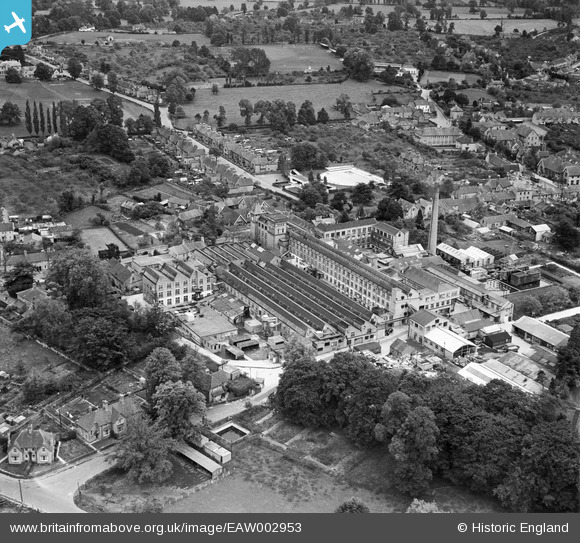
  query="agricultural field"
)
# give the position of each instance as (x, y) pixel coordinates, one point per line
(321, 96)
(47, 93)
(22, 190)
(74, 38)
(478, 27)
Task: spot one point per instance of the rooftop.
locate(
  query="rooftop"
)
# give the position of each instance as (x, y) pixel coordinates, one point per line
(542, 331)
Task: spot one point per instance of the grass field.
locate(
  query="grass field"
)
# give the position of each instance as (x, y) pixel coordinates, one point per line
(321, 96)
(47, 93)
(288, 58)
(477, 27)
(98, 238)
(75, 38)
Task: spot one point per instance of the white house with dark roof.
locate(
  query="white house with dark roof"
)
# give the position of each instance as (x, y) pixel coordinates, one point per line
(109, 420)
(7, 232)
(37, 446)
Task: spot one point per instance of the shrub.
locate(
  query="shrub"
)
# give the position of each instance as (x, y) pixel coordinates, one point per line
(241, 386)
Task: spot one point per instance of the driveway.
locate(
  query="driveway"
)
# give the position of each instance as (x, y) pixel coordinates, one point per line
(54, 492)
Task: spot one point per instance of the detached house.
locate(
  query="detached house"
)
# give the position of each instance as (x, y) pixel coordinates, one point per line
(107, 421)
(31, 445)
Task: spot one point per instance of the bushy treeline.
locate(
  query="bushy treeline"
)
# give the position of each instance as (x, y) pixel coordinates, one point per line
(494, 439)
(82, 317)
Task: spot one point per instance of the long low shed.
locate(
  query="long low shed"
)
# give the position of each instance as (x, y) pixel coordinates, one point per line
(200, 459)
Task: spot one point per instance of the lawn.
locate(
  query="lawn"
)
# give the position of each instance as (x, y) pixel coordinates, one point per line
(81, 218)
(276, 484)
(112, 491)
(98, 238)
(284, 432)
(47, 93)
(129, 229)
(73, 449)
(321, 96)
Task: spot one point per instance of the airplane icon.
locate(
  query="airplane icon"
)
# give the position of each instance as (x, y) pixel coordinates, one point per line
(17, 22)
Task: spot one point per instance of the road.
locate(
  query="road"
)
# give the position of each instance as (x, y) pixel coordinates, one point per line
(54, 492)
(560, 314)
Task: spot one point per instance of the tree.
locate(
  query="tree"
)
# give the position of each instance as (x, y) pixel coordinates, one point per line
(393, 415)
(389, 210)
(359, 64)
(41, 119)
(566, 235)
(394, 21)
(115, 106)
(28, 118)
(160, 367)
(144, 451)
(82, 121)
(420, 506)
(414, 449)
(249, 61)
(298, 397)
(19, 277)
(35, 121)
(80, 277)
(339, 200)
(344, 105)
(175, 404)
(111, 140)
(157, 114)
(400, 189)
(74, 67)
(112, 82)
(97, 81)
(54, 118)
(362, 194)
(543, 475)
(306, 114)
(354, 505)
(215, 89)
(100, 342)
(322, 116)
(13, 76)
(43, 72)
(246, 111)
(221, 117)
(529, 305)
(9, 114)
(210, 227)
(307, 156)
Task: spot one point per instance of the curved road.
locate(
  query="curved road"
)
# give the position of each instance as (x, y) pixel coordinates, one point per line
(54, 492)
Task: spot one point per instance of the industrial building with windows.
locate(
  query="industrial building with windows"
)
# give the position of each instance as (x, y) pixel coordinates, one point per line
(368, 286)
(303, 304)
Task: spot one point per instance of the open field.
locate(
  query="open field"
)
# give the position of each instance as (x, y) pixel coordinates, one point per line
(288, 58)
(477, 27)
(321, 96)
(98, 238)
(75, 38)
(111, 491)
(81, 218)
(47, 93)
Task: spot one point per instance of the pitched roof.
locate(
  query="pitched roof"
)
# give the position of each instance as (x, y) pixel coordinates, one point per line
(33, 439)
